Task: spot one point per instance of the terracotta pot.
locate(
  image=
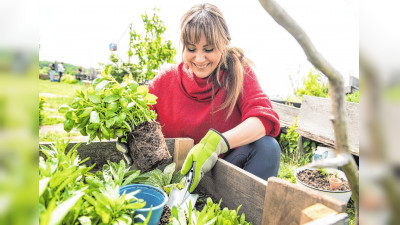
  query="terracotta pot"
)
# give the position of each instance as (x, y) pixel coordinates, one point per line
(334, 183)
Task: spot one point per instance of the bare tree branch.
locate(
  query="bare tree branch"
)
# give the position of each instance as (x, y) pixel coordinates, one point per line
(336, 85)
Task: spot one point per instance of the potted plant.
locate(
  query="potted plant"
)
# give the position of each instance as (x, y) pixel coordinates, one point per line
(331, 182)
(110, 110)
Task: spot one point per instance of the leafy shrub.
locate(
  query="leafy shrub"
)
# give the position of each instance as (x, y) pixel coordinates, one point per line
(69, 79)
(313, 85)
(44, 70)
(109, 109)
(210, 214)
(353, 97)
(288, 143)
(150, 49)
(42, 100)
(69, 194)
(286, 171)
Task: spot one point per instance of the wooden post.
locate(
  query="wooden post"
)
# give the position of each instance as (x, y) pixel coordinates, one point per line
(181, 149)
(300, 150)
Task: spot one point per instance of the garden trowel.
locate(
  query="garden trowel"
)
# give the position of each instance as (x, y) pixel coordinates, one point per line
(183, 197)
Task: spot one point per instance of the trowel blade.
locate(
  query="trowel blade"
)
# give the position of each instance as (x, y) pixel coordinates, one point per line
(176, 197)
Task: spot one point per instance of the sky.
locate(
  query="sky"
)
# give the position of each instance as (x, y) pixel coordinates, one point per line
(79, 32)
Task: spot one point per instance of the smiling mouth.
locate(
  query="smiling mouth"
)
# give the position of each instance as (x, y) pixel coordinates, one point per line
(201, 67)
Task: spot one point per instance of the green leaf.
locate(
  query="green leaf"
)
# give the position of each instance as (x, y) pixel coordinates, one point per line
(151, 99)
(63, 108)
(143, 90)
(97, 80)
(100, 86)
(61, 210)
(43, 185)
(68, 125)
(110, 122)
(132, 177)
(168, 173)
(86, 112)
(94, 117)
(94, 98)
(111, 98)
(85, 220)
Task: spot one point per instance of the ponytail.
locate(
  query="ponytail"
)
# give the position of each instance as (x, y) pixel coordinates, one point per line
(234, 62)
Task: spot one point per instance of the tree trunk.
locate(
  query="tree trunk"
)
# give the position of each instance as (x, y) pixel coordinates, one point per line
(336, 85)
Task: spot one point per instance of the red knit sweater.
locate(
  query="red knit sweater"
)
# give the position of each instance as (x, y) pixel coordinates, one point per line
(184, 104)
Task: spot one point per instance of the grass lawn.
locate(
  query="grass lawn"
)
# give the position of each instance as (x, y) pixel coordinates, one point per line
(56, 94)
(61, 89)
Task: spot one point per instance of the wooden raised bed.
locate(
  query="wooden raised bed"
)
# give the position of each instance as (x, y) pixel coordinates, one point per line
(273, 202)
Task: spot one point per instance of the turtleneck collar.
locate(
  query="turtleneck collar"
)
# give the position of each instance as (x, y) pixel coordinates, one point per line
(199, 89)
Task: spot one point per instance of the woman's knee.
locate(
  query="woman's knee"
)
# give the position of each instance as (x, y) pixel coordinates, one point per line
(269, 146)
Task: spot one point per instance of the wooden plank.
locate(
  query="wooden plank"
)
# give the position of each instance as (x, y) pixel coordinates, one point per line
(181, 149)
(287, 114)
(236, 187)
(315, 212)
(100, 152)
(284, 202)
(338, 219)
(314, 122)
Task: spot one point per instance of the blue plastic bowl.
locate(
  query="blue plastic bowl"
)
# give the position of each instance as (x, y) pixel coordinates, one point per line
(153, 196)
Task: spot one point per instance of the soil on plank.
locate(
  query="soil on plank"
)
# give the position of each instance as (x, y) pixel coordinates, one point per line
(318, 180)
(147, 146)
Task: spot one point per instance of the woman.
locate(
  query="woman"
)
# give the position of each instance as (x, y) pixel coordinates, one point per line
(214, 97)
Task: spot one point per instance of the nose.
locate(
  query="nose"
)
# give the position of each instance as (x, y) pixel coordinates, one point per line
(200, 57)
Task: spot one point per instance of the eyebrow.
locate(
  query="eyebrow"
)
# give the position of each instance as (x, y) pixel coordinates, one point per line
(204, 46)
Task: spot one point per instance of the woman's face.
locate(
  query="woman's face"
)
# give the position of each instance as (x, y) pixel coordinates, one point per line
(202, 58)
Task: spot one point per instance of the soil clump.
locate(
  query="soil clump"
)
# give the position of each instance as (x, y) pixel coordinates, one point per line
(147, 146)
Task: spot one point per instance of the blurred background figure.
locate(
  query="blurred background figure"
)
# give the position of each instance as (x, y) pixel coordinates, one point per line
(52, 70)
(60, 69)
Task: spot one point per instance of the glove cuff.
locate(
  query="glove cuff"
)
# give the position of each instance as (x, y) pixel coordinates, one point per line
(223, 138)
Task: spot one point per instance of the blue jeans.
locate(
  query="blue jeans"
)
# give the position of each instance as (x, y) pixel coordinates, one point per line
(52, 72)
(261, 158)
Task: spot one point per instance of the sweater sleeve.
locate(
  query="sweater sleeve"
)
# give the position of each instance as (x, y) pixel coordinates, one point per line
(253, 102)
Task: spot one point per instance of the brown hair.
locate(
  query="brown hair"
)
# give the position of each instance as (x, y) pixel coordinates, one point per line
(208, 19)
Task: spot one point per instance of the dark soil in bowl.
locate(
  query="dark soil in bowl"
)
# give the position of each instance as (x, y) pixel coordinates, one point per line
(318, 180)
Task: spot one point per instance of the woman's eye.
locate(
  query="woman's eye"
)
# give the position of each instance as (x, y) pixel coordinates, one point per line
(209, 49)
(191, 49)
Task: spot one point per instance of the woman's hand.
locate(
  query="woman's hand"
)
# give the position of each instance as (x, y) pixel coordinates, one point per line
(205, 154)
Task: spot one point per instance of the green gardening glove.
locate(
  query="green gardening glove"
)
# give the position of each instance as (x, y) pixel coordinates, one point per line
(205, 154)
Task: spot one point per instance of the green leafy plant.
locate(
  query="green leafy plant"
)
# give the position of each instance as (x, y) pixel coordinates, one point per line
(353, 97)
(289, 142)
(151, 50)
(42, 100)
(313, 85)
(109, 109)
(166, 179)
(45, 70)
(69, 79)
(69, 194)
(210, 214)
